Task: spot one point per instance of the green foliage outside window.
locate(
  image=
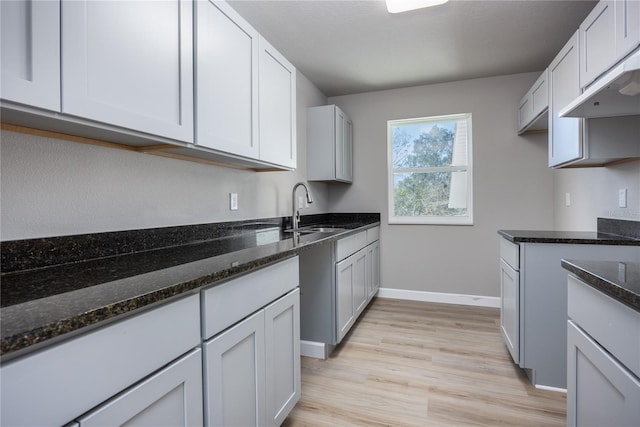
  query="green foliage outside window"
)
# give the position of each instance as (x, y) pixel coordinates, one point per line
(427, 182)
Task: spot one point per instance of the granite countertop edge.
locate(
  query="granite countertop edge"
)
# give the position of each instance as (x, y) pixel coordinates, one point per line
(567, 237)
(595, 275)
(17, 341)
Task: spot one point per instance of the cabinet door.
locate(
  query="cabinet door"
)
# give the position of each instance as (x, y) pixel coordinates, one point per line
(340, 147)
(565, 133)
(374, 262)
(345, 283)
(627, 26)
(600, 391)
(277, 102)
(597, 39)
(226, 80)
(30, 55)
(347, 151)
(234, 375)
(510, 309)
(360, 285)
(171, 397)
(540, 95)
(525, 111)
(129, 64)
(282, 345)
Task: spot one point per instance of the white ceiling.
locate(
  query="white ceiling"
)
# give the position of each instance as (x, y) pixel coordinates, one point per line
(347, 46)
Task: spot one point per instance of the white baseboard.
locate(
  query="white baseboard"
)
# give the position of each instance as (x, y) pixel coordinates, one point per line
(475, 300)
(317, 350)
(549, 388)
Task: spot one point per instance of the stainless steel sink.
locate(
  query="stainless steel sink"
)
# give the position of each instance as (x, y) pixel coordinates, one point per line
(326, 229)
(313, 229)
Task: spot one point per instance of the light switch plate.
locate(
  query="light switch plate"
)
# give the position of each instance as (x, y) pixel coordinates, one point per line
(622, 198)
(233, 201)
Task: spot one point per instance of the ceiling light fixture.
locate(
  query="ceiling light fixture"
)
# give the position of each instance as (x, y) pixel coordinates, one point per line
(397, 6)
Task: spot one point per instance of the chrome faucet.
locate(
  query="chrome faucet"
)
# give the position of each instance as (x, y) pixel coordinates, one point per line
(295, 215)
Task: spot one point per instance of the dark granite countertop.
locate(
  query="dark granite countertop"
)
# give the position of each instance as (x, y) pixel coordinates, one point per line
(621, 280)
(54, 288)
(569, 237)
(610, 232)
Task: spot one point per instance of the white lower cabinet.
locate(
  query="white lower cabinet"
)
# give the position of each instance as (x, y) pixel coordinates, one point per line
(282, 356)
(252, 350)
(534, 303)
(351, 290)
(171, 397)
(603, 359)
(510, 309)
(229, 356)
(70, 379)
(253, 369)
(337, 282)
(235, 381)
(373, 269)
(602, 392)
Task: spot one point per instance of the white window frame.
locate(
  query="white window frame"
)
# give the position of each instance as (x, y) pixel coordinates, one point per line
(437, 220)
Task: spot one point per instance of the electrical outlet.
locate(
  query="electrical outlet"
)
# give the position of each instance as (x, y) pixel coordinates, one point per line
(567, 199)
(233, 201)
(301, 202)
(622, 198)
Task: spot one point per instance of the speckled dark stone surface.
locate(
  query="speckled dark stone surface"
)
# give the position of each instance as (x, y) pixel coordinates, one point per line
(620, 280)
(619, 227)
(610, 232)
(52, 292)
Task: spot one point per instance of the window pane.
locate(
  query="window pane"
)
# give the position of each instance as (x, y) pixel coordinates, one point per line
(429, 144)
(430, 194)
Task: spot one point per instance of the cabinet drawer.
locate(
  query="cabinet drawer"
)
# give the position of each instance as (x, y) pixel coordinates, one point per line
(172, 396)
(73, 377)
(226, 304)
(350, 245)
(373, 234)
(612, 324)
(510, 252)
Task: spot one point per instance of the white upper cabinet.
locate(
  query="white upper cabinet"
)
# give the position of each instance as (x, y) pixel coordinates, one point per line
(627, 26)
(130, 64)
(30, 55)
(245, 89)
(608, 34)
(533, 106)
(226, 80)
(565, 133)
(277, 112)
(597, 37)
(329, 144)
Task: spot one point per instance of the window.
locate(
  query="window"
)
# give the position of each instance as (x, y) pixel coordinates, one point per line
(430, 170)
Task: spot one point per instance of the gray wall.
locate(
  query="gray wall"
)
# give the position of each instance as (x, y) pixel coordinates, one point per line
(51, 187)
(513, 188)
(594, 193)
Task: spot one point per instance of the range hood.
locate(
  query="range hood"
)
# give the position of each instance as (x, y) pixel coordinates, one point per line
(617, 93)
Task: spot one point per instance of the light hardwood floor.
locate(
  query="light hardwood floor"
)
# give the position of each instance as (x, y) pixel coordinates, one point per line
(411, 363)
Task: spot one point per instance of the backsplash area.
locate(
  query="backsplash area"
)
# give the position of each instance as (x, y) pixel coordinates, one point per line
(593, 193)
(619, 227)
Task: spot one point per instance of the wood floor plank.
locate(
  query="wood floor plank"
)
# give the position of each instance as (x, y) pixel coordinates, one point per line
(408, 363)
